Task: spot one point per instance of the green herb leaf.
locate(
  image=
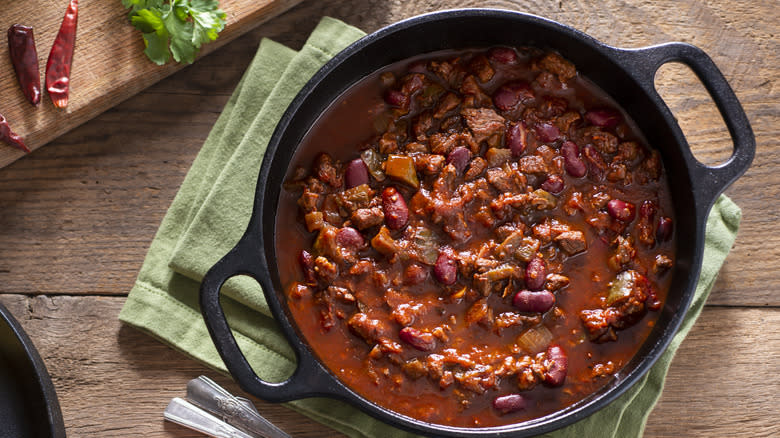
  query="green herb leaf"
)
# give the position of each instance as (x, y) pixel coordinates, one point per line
(176, 27)
(157, 48)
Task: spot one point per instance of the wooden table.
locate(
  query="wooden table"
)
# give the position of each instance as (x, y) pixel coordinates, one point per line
(77, 217)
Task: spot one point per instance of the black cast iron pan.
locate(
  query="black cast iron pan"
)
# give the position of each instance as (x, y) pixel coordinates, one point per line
(28, 403)
(625, 74)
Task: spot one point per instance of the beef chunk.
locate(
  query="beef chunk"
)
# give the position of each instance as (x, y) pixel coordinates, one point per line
(371, 330)
(624, 253)
(555, 282)
(662, 263)
(475, 97)
(605, 142)
(364, 218)
(555, 63)
(533, 164)
(443, 144)
(428, 164)
(484, 123)
(422, 124)
(308, 200)
(475, 169)
(355, 198)
(572, 242)
(388, 143)
(447, 71)
(327, 171)
(500, 179)
(512, 319)
(447, 104)
(628, 153)
(326, 270)
(482, 68)
(414, 368)
(565, 121)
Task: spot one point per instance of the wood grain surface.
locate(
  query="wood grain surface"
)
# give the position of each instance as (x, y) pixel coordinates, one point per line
(108, 67)
(77, 217)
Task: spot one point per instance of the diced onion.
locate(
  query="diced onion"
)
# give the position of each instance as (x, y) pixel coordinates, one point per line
(425, 245)
(621, 287)
(535, 339)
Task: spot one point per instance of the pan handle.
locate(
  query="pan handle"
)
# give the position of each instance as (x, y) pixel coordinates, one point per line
(310, 379)
(709, 181)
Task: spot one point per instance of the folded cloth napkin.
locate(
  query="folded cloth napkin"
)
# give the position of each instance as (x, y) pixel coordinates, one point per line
(212, 209)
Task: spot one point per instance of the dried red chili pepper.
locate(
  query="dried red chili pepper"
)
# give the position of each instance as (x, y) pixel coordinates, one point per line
(24, 56)
(10, 137)
(61, 56)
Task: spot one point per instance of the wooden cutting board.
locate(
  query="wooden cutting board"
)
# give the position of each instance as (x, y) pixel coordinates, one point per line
(108, 64)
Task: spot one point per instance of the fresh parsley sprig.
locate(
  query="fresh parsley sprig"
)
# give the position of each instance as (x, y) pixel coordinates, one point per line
(177, 27)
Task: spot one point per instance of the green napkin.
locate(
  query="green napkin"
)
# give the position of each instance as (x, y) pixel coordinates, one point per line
(212, 209)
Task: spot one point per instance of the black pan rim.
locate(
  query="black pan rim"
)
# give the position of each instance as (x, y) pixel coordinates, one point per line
(53, 415)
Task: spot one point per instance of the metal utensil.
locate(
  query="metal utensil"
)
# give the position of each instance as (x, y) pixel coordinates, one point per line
(182, 412)
(211, 410)
(236, 411)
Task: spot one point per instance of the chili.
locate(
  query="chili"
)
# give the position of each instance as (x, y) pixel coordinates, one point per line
(61, 57)
(24, 57)
(486, 239)
(10, 137)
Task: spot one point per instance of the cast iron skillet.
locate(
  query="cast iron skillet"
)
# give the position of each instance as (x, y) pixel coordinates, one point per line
(28, 403)
(625, 74)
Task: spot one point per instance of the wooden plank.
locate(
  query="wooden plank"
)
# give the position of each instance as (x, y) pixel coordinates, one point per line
(109, 65)
(115, 381)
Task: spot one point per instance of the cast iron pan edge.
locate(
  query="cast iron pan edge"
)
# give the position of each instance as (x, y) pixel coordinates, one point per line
(35, 401)
(311, 379)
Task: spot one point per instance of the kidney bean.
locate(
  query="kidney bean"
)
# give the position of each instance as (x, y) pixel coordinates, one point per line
(604, 118)
(445, 269)
(571, 161)
(306, 260)
(621, 210)
(547, 132)
(509, 403)
(517, 138)
(396, 98)
(596, 165)
(395, 209)
(558, 366)
(553, 184)
(533, 301)
(349, 237)
(459, 157)
(664, 229)
(535, 273)
(510, 94)
(503, 55)
(422, 341)
(356, 173)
